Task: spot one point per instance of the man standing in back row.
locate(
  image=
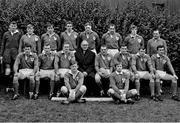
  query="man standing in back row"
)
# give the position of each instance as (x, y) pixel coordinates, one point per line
(112, 40)
(69, 36)
(50, 37)
(91, 37)
(134, 41)
(9, 50)
(155, 42)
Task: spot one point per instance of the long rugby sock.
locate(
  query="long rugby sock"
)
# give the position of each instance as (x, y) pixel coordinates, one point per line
(137, 83)
(51, 86)
(174, 88)
(151, 85)
(158, 88)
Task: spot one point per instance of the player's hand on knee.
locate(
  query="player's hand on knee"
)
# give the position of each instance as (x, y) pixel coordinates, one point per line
(176, 77)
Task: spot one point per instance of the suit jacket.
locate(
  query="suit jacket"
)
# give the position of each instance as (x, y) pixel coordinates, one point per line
(86, 62)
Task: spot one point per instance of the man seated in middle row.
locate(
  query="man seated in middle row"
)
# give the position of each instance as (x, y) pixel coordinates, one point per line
(63, 60)
(142, 67)
(47, 67)
(104, 67)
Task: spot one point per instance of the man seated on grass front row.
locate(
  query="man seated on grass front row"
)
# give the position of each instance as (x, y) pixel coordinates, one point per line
(119, 86)
(142, 67)
(47, 66)
(27, 64)
(104, 67)
(74, 88)
(159, 62)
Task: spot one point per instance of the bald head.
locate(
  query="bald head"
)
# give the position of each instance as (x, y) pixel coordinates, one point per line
(84, 45)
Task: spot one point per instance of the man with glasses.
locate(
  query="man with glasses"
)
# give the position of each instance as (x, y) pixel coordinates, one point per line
(86, 62)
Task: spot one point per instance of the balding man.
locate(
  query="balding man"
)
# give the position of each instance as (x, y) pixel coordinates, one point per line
(86, 62)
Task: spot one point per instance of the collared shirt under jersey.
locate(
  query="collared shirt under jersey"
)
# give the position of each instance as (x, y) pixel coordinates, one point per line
(53, 40)
(124, 58)
(71, 38)
(112, 41)
(142, 63)
(118, 79)
(103, 61)
(159, 62)
(24, 61)
(10, 40)
(153, 44)
(33, 40)
(133, 43)
(47, 61)
(73, 79)
(63, 59)
(92, 38)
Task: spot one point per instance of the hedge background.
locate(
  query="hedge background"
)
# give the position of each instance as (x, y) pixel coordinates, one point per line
(39, 12)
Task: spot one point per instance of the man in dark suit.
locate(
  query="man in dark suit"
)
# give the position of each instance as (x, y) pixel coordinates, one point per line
(86, 62)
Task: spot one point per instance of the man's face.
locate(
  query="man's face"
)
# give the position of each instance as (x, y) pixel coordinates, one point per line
(123, 49)
(119, 68)
(142, 52)
(13, 27)
(47, 49)
(74, 67)
(69, 27)
(156, 34)
(66, 48)
(112, 29)
(30, 30)
(88, 28)
(84, 45)
(104, 50)
(27, 50)
(50, 29)
(134, 31)
(161, 51)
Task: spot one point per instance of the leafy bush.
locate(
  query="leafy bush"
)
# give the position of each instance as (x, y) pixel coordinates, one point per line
(39, 12)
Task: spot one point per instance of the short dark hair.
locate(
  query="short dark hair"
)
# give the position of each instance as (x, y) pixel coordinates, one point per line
(88, 24)
(160, 46)
(27, 45)
(13, 22)
(104, 45)
(133, 27)
(49, 25)
(123, 45)
(72, 62)
(69, 22)
(30, 26)
(117, 63)
(111, 24)
(142, 48)
(47, 44)
(66, 43)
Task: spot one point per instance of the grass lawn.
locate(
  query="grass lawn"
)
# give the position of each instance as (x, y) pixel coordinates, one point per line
(45, 110)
